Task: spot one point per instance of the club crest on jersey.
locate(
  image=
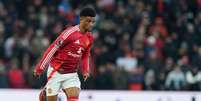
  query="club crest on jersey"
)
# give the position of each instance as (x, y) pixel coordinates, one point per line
(77, 42)
(49, 90)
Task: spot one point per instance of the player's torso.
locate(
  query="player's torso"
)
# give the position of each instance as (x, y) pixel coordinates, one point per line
(76, 47)
(69, 55)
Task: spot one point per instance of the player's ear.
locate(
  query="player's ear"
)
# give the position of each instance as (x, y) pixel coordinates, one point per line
(81, 18)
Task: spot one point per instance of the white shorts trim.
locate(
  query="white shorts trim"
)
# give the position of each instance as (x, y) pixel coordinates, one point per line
(59, 81)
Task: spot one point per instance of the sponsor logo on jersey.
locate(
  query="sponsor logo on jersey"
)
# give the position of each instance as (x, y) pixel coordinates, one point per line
(49, 90)
(77, 54)
(74, 55)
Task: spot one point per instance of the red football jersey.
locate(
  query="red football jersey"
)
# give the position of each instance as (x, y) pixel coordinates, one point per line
(70, 50)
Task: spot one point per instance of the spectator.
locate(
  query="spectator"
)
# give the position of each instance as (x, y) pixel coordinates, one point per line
(16, 76)
(175, 79)
(3, 76)
(150, 80)
(104, 78)
(128, 62)
(193, 78)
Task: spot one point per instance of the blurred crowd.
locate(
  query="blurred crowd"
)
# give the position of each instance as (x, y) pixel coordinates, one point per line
(139, 44)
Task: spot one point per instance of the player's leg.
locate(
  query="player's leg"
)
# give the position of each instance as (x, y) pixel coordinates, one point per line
(71, 86)
(53, 85)
(52, 90)
(52, 98)
(72, 93)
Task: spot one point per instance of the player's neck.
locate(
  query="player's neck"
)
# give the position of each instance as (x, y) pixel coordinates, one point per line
(82, 30)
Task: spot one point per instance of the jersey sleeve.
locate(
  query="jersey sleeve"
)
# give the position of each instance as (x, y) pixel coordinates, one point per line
(85, 62)
(47, 56)
(49, 53)
(86, 59)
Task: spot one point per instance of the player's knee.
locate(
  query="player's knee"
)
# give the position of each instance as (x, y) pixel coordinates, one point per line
(52, 98)
(73, 91)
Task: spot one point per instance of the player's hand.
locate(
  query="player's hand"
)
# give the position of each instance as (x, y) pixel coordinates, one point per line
(36, 75)
(85, 76)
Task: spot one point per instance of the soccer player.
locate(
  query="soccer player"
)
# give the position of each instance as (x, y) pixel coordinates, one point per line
(63, 57)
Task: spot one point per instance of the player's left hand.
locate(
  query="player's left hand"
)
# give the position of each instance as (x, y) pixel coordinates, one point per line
(85, 76)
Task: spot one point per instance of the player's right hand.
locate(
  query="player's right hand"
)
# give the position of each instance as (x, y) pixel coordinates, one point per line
(85, 76)
(36, 75)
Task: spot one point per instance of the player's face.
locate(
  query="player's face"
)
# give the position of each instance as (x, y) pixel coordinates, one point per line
(88, 23)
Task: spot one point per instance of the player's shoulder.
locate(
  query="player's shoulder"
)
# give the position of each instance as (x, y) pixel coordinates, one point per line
(72, 28)
(69, 31)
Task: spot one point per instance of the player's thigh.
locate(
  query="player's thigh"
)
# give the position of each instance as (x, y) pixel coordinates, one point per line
(54, 83)
(52, 98)
(72, 91)
(53, 86)
(52, 89)
(72, 85)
